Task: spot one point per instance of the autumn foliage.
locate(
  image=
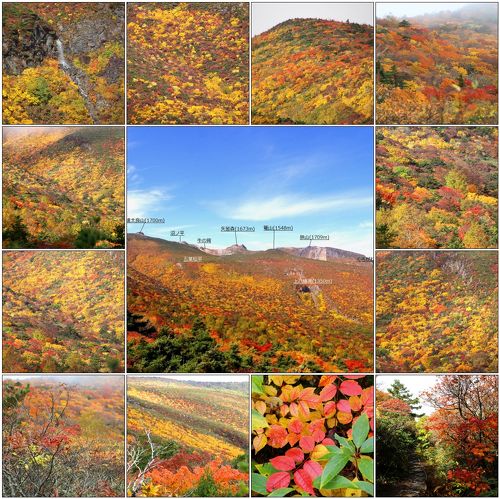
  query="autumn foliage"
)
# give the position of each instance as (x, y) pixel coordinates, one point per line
(440, 69)
(42, 91)
(63, 311)
(243, 313)
(449, 451)
(198, 438)
(188, 63)
(437, 311)
(313, 71)
(63, 187)
(465, 423)
(312, 435)
(63, 439)
(437, 187)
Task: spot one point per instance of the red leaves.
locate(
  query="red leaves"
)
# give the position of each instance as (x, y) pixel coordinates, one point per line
(296, 426)
(343, 406)
(278, 481)
(307, 444)
(350, 387)
(313, 469)
(296, 454)
(304, 481)
(283, 463)
(328, 392)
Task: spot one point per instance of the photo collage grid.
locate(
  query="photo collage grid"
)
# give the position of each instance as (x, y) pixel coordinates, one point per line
(249, 249)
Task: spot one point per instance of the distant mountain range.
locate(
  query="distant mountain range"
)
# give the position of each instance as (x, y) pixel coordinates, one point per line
(323, 253)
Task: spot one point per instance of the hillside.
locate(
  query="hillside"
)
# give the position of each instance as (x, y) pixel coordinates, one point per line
(440, 69)
(63, 437)
(63, 311)
(313, 71)
(187, 63)
(252, 311)
(63, 63)
(437, 311)
(437, 187)
(63, 187)
(195, 428)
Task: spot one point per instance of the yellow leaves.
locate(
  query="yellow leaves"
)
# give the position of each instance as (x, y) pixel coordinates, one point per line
(260, 406)
(278, 380)
(259, 442)
(319, 452)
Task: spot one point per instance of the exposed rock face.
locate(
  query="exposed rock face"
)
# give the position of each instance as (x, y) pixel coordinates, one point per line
(87, 35)
(230, 250)
(27, 44)
(322, 253)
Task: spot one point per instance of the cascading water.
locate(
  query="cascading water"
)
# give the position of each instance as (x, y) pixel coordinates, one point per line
(60, 54)
(77, 76)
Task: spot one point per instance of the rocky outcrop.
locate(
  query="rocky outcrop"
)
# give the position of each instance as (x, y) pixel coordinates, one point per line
(89, 34)
(28, 43)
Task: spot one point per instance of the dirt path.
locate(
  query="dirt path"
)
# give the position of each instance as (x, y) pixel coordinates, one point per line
(413, 486)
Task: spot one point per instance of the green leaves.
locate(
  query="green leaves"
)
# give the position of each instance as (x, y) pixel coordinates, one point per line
(367, 446)
(259, 483)
(257, 382)
(335, 465)
(365, 465)
(258, 420)
(360, 430)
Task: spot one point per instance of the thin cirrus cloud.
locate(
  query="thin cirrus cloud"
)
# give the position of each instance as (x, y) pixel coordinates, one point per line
(144, 203)
(288, 206)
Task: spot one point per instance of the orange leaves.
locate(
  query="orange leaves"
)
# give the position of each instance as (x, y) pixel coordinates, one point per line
(277, 436)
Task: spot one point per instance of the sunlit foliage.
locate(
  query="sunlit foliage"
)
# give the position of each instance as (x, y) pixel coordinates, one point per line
(437, 311)
(437, 187)
(187, 438)
(63, 311)
(313, 71)
(245, 313)
(188, 63)
(63, 187)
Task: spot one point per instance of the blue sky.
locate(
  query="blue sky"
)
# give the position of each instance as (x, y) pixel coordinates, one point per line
(318, 179)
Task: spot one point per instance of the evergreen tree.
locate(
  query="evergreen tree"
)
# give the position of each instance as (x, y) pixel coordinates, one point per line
(398, 390)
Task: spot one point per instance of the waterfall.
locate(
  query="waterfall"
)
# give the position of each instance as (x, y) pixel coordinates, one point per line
(78, 77)
(60, 55)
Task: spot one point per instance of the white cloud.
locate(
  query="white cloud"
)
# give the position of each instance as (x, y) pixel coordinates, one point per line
(288, 206)
(366, 224)
(145, 203)
(357, 240)
(132, 174)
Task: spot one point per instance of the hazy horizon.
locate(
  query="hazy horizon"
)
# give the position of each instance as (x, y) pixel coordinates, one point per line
(267, 15)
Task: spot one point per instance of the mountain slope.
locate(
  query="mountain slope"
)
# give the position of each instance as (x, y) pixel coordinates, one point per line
(63, 311)
(63, 188)
(440, 69)
(247, 311)
(313, 71)
(200, 428)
